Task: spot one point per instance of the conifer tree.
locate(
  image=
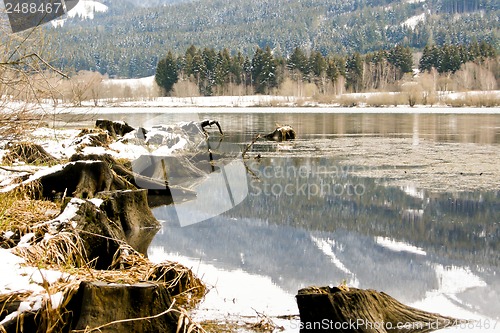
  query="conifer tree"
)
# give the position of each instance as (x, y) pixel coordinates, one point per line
(166, 73)
(354, 72)
(298, 62)
(264, 71)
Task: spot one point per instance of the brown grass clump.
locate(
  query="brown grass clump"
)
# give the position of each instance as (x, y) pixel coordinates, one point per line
(483, 99)
(63, 250)
(385, 100)
(179, 280)
(27, 152)
(19, 215)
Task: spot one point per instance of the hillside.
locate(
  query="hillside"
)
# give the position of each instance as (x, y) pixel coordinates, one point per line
(128, 39)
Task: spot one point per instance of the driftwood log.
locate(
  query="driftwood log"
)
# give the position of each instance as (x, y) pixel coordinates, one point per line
(209, 123)
(343, 309)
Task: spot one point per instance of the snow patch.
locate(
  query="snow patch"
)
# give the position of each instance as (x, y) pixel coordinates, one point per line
(68, 214)
(397, 246)
(326, 246)
(85, 9)
(413, 21)
(97, 202)
(26, 239)
(25, 279)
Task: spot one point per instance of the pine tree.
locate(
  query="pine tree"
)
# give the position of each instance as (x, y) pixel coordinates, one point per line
(318, 64)
(236, 68)
(166, 73)
(198, 69)
(428, 59)
(222, 68)
(354, 72)
(264, 71)
(402, 58)
(298, 62)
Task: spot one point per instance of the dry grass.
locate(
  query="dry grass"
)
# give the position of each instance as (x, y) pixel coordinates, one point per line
(63, 250)
(20, 214)
(350, 101)
(483, 99)
(27, 152)
(259, 324)
(385, 100)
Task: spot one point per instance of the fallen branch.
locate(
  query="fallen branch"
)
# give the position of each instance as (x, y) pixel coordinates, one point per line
(250, 145)
(19, 171)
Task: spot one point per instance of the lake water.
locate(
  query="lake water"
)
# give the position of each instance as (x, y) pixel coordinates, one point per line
(404, 203)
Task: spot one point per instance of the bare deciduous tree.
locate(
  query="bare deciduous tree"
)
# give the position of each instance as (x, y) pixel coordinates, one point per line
(24, 82)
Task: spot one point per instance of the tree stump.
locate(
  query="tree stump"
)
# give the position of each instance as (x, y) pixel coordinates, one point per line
(354, 310)
(130, 210)
(282, 133)
(81, 179)
(110, 307)
(114, 128)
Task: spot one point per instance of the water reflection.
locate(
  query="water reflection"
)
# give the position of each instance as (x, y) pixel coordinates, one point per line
(313, 219)
(309, 221)
(440, 127)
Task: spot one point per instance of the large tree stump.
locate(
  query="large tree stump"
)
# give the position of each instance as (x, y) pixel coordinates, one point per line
(81, 179)
(114, 128)
(282, 133)
(345, 309)
(106, 307)
(160, 192)
(130, 209)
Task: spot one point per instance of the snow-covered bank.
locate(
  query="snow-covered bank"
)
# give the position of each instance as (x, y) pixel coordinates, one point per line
(28, 280)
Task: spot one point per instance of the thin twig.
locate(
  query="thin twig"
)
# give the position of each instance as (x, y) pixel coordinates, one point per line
(35, 55)
(250, 145)
(14, 170)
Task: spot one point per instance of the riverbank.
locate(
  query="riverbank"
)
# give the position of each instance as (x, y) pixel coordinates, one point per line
(74, 236)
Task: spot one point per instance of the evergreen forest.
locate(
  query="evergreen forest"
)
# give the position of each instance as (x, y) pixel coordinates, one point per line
(130, 39)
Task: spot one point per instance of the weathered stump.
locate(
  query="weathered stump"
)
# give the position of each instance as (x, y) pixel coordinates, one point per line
(91, 138)
(114, 128)
(344, 309)
(282, 133)
(119, 308)
(160, 192)
(130, 209)
(116, 218)
(81, 179)
(172, 170)
(101, 236)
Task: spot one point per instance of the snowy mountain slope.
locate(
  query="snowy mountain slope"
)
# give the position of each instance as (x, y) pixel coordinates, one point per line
(128, 40)
(85, 9)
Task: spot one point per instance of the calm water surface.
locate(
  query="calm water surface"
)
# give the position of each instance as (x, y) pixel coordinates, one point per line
(296, 220)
